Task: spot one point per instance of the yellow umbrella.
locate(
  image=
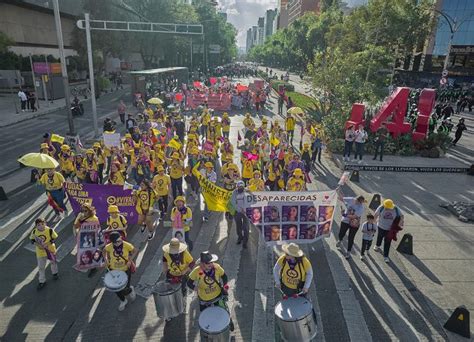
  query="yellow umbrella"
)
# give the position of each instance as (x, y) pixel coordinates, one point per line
(155, 101)
(39, 161)
(295, 110)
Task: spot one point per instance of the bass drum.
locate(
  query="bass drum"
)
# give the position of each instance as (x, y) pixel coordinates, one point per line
(296, 319)
(214, 325)
(169, 299)
(115, 281)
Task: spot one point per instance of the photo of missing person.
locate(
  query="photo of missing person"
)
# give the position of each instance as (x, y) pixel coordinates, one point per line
(325, 213)
(254, 215)
(289, 232)
(324, 228)
(86, 258)
(87, 240)
(97, 258)
(271, 214)
(272, 232)
(307, 231)
(308, 213)
(290, 213)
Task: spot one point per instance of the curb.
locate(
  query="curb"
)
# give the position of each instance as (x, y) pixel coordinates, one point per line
(31, 116)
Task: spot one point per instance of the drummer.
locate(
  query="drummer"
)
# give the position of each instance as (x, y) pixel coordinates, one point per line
(293, 272)
(177, 262)
(119, 256)
(211, 282)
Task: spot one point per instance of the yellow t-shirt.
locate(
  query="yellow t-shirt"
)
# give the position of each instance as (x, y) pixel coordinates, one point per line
(256, 184)
(117, 262)
(119, 222)
(66, 164)
(225, 125)
(290, 124)
(117, 178)
(178, 269)
(145, 201)
(176, 170)
(208, 289)
(291, 277)
(206, 118)
(161, 184)
(248, 123)
(46, 236)
(295, 184)
(247, 168)
(54, 183)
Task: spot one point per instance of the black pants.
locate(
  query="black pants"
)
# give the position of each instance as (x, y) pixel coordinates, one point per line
(127, 290)
(352, 233)
(365, 246)
(290, 292)
(122, 117)
(458, 136)
(359, 150)
(177, 186)
(100, 171)
(291, 135)
(242, 225)
(382, 235)
(23, 105)
(316, 153)
(163, 204)
(379, 145)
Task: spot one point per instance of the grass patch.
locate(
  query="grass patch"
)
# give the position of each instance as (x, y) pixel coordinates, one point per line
(303, 101)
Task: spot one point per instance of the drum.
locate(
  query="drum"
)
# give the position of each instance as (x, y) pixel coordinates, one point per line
(115, 280)
(169, 299)
(214, 324)
(296, 319)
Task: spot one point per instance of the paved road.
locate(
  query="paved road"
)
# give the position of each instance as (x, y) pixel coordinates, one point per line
(354, 300)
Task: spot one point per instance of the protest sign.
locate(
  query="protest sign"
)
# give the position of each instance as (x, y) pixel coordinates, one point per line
(217, 198)
(57, 138)
(89, 247)
(101, 196)
(301, 217)
(111, 139)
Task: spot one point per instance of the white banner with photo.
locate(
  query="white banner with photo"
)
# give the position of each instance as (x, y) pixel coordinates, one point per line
(301, 217)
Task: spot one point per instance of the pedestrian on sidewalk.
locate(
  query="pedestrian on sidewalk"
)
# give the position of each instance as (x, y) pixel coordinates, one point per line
(348, 142)
(351, 221)
(122, 108)
(460, 128)
(43, 238)
(23, 99)
(368, 231)
(382, 134)
(281, 101)
(385, 216)
(239, 203)
(119, 256)
(32, 101)
(360, 139)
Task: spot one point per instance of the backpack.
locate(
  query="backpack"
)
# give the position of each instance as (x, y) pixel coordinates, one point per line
(397, 211)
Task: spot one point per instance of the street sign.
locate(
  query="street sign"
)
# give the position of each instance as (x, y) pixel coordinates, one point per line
(444, 73)
(41, 67)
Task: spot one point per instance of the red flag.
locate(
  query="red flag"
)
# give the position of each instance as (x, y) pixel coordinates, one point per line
(53, 204)
(239, 138)
(250, 156)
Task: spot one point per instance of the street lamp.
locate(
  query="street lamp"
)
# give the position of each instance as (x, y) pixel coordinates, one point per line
(454, 26)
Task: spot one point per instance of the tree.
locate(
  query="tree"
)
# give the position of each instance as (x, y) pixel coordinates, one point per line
(5, 42)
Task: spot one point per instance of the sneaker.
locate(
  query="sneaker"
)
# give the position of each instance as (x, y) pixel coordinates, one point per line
(374, 158)
(151, 236)
(40, 286)
(348, 255)
(362, 258)
(205, 218)
(231, 325)
(142, 229)
(359, 162)
(386, 259)
(55, 276)
(367, 251)
(122, 305)
(377, 249)
(133, 294)
(338, 244)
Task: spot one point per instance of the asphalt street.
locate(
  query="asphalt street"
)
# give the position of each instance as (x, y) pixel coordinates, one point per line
(353, 300)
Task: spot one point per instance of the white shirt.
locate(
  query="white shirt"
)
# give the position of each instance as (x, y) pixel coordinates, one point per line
(360, 136)
(22, 96)
(212, 176)
(350, 135)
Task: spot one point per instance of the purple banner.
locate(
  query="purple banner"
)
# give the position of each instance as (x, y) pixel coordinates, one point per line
(101, 196)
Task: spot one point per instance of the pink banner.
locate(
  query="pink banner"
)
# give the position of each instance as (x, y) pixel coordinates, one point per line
(214, 101)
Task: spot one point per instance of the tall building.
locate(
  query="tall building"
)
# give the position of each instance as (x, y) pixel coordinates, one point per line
(249, 41)
(297, 8)
(270, 17)
(254, 35)
(282, 14)
(261, 31)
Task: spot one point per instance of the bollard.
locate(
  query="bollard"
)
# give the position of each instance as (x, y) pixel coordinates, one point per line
(3, 195)
(355, 176)
(375, 202)
(406, 245)
(459, 322)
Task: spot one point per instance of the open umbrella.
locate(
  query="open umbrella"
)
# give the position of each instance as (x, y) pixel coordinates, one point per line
(295, 110)
(155, 101)
(39, 161)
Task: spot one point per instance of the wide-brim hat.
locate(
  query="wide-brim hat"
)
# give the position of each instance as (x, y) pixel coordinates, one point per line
(292, 249)
(207, 257)
(180, 198)
(298, 172)
(174, 247)
(113, 209)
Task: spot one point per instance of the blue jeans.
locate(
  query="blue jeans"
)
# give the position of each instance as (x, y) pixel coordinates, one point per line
(177, 186)
(347, 148)
(379, 145)
(359, 150)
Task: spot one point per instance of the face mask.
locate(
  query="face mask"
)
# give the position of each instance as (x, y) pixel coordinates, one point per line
(239, 190)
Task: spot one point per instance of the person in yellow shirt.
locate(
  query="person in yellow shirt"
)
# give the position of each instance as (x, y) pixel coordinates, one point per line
(296, 182)
(101, 158)
(247, 169)
(230, 175)
(116, 176)
(227, 151)
(119, 255)
(116, 222)
(256, 183)
(48, 149)
(53, 182)
(181, 217)
(275, 175)
(66, 162)
(177, 263)
(79, 168)
(43, 238)
(91, 167)
(248, 122)
(176, 171)
(145, 197)
(225, 125)
(290, 123)
(293, 272)
(162, 185)
(205, 120)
